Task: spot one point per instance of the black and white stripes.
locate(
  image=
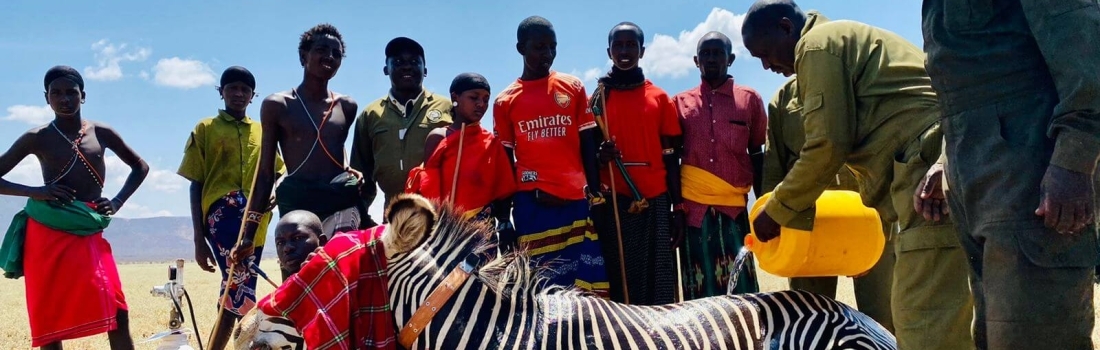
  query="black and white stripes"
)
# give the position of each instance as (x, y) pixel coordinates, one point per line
(506, 307)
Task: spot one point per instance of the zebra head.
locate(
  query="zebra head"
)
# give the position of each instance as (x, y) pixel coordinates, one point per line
(424, 245)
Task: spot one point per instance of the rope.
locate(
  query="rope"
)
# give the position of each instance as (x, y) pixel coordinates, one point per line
(318, 129)
(75, 143)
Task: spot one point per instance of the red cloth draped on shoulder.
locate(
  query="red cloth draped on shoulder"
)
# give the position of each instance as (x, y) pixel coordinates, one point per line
(348, 281)
(485, 173)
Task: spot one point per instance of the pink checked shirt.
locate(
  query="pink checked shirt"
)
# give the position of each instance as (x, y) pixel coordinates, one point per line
(720, 126)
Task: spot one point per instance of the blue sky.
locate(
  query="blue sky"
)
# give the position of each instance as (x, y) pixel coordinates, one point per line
(151, 67)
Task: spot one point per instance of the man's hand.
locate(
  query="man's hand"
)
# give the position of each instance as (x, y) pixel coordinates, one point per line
(105, 206)
(679, 227)
(1066, 200)
(54, 193)
(929, 199)
(608, 152)
(204, 257)
(766, 228)
(310, 256)
(241, 252)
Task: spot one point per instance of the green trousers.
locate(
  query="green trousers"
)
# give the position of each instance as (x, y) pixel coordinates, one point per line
(1033, 287)
(872, 290)
(931, 301)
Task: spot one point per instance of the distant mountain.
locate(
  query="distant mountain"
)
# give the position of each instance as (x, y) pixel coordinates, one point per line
(138, 240)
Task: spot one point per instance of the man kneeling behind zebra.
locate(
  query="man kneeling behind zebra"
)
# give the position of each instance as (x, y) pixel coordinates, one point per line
(506, 305)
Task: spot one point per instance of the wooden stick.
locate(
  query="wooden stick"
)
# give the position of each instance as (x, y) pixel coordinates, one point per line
(458, 163)
(229, 283)
(614, 196)
(619, 231)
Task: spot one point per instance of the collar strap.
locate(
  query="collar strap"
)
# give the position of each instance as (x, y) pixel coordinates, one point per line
(439, 297)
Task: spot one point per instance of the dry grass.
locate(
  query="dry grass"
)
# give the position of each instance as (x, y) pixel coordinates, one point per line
(148, 314)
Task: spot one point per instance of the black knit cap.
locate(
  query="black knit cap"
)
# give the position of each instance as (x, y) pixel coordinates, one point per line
(66, 72)
(240, 74)
(468, 81)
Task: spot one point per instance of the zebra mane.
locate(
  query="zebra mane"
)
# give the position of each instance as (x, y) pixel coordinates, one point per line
(509, 275)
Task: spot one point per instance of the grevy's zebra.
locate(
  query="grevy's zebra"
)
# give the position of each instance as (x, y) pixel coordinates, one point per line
(504, 305)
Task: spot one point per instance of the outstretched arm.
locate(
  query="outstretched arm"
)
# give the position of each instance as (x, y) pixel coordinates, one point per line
(827, 109)
(271, 112)
(138, 168)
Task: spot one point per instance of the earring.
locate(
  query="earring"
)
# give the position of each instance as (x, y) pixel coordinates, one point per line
(454, 104)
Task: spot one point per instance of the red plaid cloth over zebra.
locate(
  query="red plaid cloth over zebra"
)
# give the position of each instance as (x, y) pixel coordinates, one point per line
(339, 299)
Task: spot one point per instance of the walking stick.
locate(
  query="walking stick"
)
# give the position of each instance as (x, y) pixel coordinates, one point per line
(458, 163)
(614, 202)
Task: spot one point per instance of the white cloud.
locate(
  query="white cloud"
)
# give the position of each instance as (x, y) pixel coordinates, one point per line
(33, 115)
(28, 172)
(164, 180)
(108, 57)
(144, 75)
(184, 74)
(672, 57)
(133, 210)
(592, 74)
(157, 179)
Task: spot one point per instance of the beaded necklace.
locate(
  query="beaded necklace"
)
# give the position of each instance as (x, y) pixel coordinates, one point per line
(77, 154)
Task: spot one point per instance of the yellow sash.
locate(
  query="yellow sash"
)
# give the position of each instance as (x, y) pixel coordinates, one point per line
(702, 187)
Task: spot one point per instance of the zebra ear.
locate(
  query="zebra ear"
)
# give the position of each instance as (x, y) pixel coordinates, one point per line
(411, 218)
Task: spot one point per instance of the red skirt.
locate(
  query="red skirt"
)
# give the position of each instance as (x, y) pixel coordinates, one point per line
(73, 288)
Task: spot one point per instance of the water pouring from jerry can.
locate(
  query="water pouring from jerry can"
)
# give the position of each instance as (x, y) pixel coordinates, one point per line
(847, 240)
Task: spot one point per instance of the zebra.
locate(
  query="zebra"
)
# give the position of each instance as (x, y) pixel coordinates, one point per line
(506, 304)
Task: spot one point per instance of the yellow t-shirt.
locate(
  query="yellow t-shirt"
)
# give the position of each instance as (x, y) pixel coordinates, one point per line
(222, 153)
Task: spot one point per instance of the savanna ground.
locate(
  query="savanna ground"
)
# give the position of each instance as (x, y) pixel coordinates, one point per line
(149, 314)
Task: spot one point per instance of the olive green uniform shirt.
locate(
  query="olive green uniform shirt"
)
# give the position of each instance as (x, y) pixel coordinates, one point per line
(785, 139)
(865, 97)
(389, 140)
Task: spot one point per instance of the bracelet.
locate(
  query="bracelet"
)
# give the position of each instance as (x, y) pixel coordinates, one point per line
(594, 198)
(252, 216)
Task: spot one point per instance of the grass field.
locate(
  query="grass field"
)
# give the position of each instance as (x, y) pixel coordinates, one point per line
(149, 314)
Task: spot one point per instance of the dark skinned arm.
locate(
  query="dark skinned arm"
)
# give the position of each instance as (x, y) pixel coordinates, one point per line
(672, 167)
(362, 160)
(19, 150)
(590, 138)
(502, 211)
(271, 111)
(138, 169)
(203, 255)
(758, 134)
(432, 142)
(672, 180)
(757, 160)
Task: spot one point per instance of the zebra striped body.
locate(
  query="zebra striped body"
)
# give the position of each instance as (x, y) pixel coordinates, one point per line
(505, 306)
